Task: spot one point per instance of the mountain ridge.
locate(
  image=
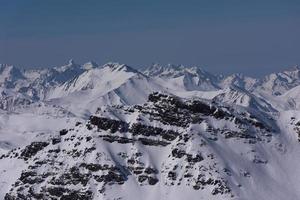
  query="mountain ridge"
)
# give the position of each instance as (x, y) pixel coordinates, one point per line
(169, 132)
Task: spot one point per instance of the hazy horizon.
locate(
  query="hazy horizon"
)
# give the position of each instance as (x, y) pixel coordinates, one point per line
(253, 38)
(144, 67)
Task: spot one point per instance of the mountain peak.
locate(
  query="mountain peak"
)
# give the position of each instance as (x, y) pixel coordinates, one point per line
(120, 67)
(280, 82)
(172, 70)
(10, 72)
(239, 80)
(71, 62)
(6, 67)
(124, 135)
(90, 65)
(293, 68)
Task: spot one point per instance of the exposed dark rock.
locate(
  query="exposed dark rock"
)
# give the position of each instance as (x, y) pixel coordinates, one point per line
(140, 129)
(56, 141)
(57, 191)
(33, 149)
(88, 138)
(63, 132)
(172, 175)
(75, 195)
(109, 124)
(104, 168)
(112, 138)
(114, 177)
(78, 123)
(150, 170)
(195, 159)
(150, 142)
(142, 178)
(177, 153)
(94, 167)
(152, 180)
(54, 151)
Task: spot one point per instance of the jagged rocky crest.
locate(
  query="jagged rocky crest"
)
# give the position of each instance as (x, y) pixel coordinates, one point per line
(169, 132)
(88, 160)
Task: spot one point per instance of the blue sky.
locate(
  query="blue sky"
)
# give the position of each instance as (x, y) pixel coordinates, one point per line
(251, 37)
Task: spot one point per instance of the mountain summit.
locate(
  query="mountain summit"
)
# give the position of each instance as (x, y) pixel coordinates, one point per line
(169, 132)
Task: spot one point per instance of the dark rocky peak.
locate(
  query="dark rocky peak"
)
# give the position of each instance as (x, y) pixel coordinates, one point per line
(160, 98)
(194, 105)
(111, 148)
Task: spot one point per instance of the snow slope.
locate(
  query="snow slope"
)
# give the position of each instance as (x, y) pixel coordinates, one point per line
(185, 78)
(170, 132)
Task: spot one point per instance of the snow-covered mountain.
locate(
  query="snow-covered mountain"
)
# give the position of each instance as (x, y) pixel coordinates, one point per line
(10, 76)
(181, 77)
(239, 80)
(233, 95)
(281, 82)
(110, 84)
(169, 132)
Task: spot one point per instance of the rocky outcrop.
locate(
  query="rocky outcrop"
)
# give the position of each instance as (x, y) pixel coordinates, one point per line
(108, 152)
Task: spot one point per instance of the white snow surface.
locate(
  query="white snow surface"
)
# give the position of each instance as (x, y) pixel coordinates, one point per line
(35, 104)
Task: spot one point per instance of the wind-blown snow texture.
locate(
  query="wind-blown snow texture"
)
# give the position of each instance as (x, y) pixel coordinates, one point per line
(169, 132)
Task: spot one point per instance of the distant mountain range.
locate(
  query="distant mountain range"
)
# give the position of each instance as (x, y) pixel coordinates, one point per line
(167, 132)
